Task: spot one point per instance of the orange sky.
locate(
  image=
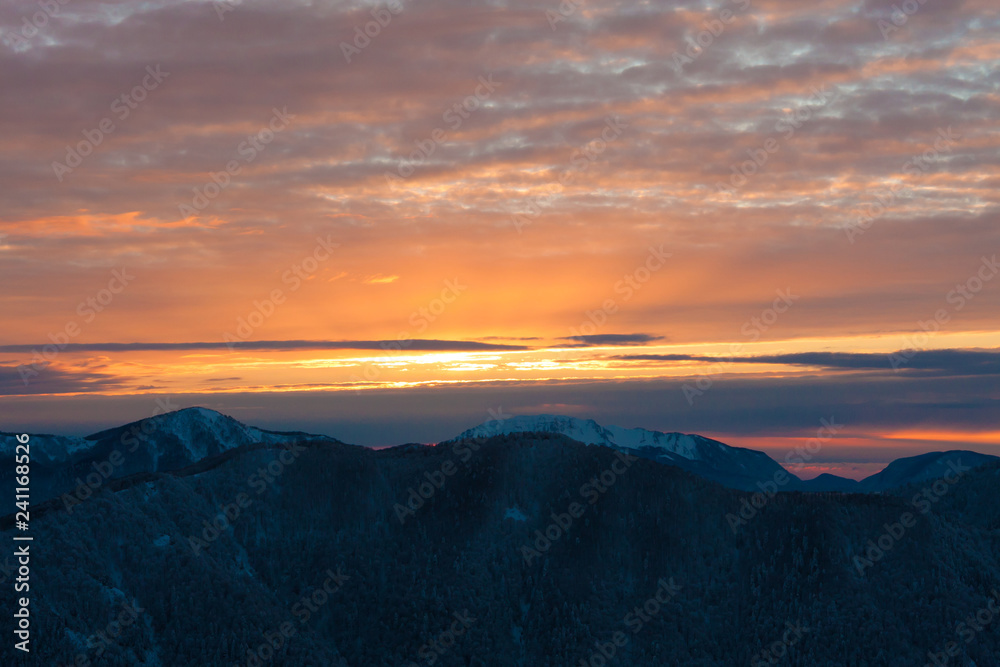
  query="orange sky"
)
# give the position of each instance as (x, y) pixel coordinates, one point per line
(564, 205)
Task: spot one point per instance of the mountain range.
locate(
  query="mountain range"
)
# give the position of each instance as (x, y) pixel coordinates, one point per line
(179, 439)
(165, 442)
(498, 549)
(734, 467)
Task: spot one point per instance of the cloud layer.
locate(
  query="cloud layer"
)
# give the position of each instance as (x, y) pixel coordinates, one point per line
(501, 177)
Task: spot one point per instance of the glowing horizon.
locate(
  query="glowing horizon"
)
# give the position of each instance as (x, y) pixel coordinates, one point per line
(742, 238)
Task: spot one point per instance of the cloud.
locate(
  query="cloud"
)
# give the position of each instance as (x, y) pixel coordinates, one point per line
(655, 184)
(416, 345)
(354, 122)
(380, 280)
(661, 357)
(55, 379)
(928, 362)
(735, 410)
(948, 362)
(613, 339)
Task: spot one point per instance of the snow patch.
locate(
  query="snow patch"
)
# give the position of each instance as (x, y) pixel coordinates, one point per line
(46, 448)
(590, 432)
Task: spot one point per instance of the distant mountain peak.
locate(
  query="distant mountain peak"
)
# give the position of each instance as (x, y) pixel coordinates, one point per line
(925, 467)
(182, 418)
(734, 467)
(731, 466)
(590, 432)
(160, 443)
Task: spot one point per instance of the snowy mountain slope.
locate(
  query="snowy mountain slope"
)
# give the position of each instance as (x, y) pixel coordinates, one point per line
(590, 432)
(45, 448)
(924, 467)
(734, 467)
(179, 439)
(162, 443)
(466, 549)
(189, 435)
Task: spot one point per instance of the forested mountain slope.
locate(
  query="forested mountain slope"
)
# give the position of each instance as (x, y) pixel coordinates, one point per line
(323, 555)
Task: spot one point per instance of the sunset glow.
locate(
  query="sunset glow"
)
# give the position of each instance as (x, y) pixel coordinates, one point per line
(780, 215)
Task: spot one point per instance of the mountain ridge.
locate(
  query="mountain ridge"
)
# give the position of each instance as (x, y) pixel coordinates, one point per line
(193, 549)
(735, 467)
(179, 439)
(161, 443)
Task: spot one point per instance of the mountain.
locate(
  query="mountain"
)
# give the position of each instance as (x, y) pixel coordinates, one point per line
(903, 472)
(503, 552)
(162, 443)
(734, 467)
(827, 482)
(180, 439)
(923, 467)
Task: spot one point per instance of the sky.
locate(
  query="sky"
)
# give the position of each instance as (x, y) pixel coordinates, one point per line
(381, 221)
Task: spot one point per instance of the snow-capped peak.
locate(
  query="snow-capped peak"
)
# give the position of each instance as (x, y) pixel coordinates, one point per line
(734, 467)
(162, 443)
(590, 432)
(182, 436)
